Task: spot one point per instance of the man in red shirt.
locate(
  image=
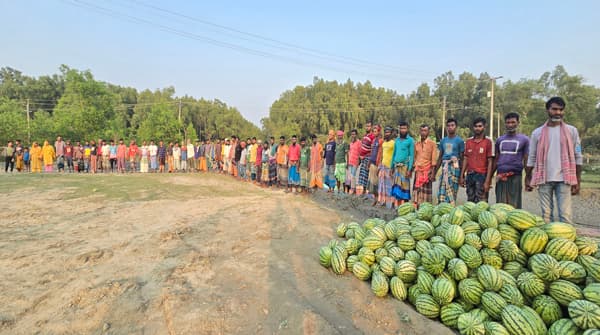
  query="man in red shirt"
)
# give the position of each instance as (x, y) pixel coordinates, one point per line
(132, 154)
(477, 163)
(293, 162)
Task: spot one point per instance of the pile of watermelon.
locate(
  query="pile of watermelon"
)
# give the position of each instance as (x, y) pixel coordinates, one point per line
(477, 268)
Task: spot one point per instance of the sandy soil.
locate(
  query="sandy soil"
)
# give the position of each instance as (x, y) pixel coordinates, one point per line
(177, 254)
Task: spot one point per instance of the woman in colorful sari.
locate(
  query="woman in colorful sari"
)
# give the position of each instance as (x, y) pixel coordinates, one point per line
(48, 156)
(35, 155)
(315, 167)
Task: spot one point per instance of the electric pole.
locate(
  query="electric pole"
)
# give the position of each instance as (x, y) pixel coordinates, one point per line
(443, 116)
(28, 125)
(492, 107)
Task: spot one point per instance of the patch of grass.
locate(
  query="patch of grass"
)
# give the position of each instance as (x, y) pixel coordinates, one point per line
(590, 180)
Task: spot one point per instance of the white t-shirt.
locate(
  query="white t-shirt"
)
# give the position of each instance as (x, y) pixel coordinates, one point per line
(190, 151)
(176, 153)
(153, 149)
(553, 165)
(106, 150)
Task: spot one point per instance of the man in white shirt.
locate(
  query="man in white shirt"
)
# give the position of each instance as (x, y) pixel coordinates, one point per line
(152, 151)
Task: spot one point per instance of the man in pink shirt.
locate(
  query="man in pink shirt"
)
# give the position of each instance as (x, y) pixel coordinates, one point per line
(351, 176)
(121, 154)
(133, 153)
(293, 165)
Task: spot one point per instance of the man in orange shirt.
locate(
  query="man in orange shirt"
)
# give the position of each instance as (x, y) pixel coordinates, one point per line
(315, 166)
(132, 154)
(281, 158)
(425, 160)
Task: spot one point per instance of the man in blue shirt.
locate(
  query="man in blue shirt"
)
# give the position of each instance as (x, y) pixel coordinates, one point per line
(452, 149)
(403, 159)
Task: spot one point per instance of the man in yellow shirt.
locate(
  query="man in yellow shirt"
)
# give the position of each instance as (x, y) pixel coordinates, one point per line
(281, 158)
(384, 191)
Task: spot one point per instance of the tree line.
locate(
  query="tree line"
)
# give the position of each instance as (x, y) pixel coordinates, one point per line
(75, 105)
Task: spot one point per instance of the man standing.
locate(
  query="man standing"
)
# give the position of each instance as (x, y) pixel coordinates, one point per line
(315, 166)
(555, 159)
(477, 164)
(293, 159)
(425, 160)
(341, 160)
(105, 156)
(512, 150)
(402, 164)
(69, 156)
(281, 157)
(451, 148)
(153, 152)
(59, 148)
(143, 157)
(253, 149)
(162, 156)
(351, 175)
(330, 162)
(121, 155)
(304, 162)
(133, 154)
(364, 158)
(375, 161)
(9, 157)
(385, 170)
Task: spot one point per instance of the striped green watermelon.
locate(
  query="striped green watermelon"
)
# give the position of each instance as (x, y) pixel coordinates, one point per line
(442, 208)
(509, 233)
(495, 328)
(518, 322)
(349, 233)
(491, 238)
(426, 305)
(572, 271)
(548, 309)
(471, 227)
(372, 242)
(379, 232)
(586, 245)
(564, 327)
(445, 250)
(423, 246)
(425, 281)
(564, 292)
(592, 331)
(493, 304)
(398, 288)
(388, 244)
(380, 253)
(406, 242)
(468, 324)
(457, 216)
(396, 253)
(338, 260)
(390, 230)
(350, 261)
(402, 229)
(470, 290)
(489, 277)
(507, 278)
(491, 257)
(560, 230)
(458, 269)
(359, 233)
(592, 293)
(449, 314)
(545, 266)
(530, 284)
(379, 284)
(413, 292)
(508, 250)
(341, 229)
(422, 230)
(361, 270)
(437, 240)
(443, 291)
(405, 209)
(514, 268)
(585, 314)
(501, 215)
(512, 295)
(487, 220)
(433, 261)
(455, 236)
(502, 206)
(533, 241)
(413, 256)
(366, 256)
(325, 256)
(436, 220)
(352, 246)
(425, 211)
(406, 271)
(387, 266)
(593, 270)
(586, 261)
(531, 315)
(562, 249)
(521, 219)
(473, 240)
(470, 255)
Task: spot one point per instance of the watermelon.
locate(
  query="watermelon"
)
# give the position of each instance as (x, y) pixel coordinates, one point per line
(512, 295)
(426, 305)
(379, 284)
(560, 230)
(592, 293)
(338, 260)
(514, 268)
(449, 314)
(545, 266)
(470, 255)
(352, 246)
(325, 256)
(457, 216)
(455, 236)
(491, 257)
(406, 242)
(564, 292)
(434, 262)
(518, 322)
(359, 234)
(508, 250)
(491, 238)
(389, 244)
(425, 211)
(501, 215)
(390, 230)
(361, 270)
(413, 256)
(548, 309)
(509, 233)
(507, 278)
(442, 208)
(350, 261)
(457, 269)
(592, 331)
(533, 241)
(423, 246)
(473, 240)
(422, 230)
(586, 261)
(396, 253)
(493, 304)
(534, 317)
(366, 256)
(521, 219)
(585, 314)
(405, 209)
(445, 250)
(564, 327)
(435, 240)
(470, 290)
(593, 270)
(406, 271)
(341, 229)
(495, 328)
(572, 271)
(489, 277)
(379, 254)
(469, 324)
(372, 242)
(487, 220)
(443, 291)
(378, 232)
(471, 227)
(530, 284)
(562, 249)
(387, 266)
(349, 233)
(398, 288)
(413, 292)
(425, 281)
(586, 245)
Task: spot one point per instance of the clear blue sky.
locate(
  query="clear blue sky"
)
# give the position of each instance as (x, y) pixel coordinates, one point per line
(416, 40)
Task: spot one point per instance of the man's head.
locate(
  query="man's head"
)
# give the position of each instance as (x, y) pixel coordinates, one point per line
(555, 107)
(314, 138)
(403, 129)
(478, 126)
(387, 133)
(272, 139)
(424, 131)
(368, 127)
(340, 135)
(59, 138)
(353, 134)
(451, 126)
(254, 140)
(282, 140)
(161, 143)
(121, 141)
(376, 130)
(294, 139)
(302, 141)
(511, 122)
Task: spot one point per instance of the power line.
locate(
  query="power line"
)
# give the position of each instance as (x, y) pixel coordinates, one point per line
(239, 48)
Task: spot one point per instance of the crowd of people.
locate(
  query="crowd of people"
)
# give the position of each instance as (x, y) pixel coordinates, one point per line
(385, 164)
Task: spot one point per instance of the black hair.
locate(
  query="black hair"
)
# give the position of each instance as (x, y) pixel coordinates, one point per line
(294, 136)
(282, 137)
(254, 138)
(511, 115)
(402, 123)
(555, 100)
(313, 136)
(452, 120)
(272, 137)
(302, 139)
(354, 131)
(479, 119)
(424, 125)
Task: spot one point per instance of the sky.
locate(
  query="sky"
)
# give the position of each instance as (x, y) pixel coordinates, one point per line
(247, 53)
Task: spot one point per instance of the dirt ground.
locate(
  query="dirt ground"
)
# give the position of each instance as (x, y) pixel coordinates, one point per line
(178, 254)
